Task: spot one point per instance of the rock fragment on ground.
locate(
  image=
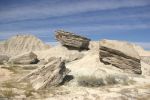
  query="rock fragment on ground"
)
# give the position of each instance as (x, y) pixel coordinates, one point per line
(25, 58)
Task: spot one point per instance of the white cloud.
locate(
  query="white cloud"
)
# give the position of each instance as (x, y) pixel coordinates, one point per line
(44, 10)
(83, 28)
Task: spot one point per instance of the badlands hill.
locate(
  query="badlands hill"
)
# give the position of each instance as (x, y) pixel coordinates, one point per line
(20, 44)
(75, 69)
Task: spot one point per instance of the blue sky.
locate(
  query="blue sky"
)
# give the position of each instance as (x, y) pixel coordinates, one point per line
(127, 20)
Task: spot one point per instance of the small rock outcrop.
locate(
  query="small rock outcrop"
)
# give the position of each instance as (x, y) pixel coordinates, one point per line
(121, 55)
(25, 58)
(19, 44)
(60, 51)
(3, 58)
(72, 40)
(52, 74)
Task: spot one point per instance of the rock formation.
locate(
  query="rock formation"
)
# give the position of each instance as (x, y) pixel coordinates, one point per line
(3, 58)
(72, 40)
(52, 74)
(121, 55)
(60, 51)
(25, 58)
(20, 44)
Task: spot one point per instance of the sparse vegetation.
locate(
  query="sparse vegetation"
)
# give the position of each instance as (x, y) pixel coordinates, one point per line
(117, 79)
(9, 84)
(13, 68)
(7, 93)
(29, 90)
(92, 81)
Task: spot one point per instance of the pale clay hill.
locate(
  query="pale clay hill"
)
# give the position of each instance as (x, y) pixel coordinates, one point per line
(106, 70)
(22, 43)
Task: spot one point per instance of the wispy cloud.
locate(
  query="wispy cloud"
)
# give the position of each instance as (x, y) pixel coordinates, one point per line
(47, 9)
(145, 45)
(94, 18)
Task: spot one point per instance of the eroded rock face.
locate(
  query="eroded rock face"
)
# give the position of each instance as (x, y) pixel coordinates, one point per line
(25, 58)
(19, 44)
(72, 40)
(52, 74)
(121, 55)
(3, 58)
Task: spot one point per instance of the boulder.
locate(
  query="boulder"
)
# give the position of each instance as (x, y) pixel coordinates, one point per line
(52, 74)
(72, 40)
(3, 58)
(25, 58)
(121, 55)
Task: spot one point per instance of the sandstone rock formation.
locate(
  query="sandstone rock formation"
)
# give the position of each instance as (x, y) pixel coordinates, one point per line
(25, 58)
(3, 58)
(20, 44)
(60, 51)
(121, 55)
(52, 74)
(72, 40)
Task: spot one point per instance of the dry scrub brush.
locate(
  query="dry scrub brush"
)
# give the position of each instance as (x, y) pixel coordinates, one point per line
(92, 81)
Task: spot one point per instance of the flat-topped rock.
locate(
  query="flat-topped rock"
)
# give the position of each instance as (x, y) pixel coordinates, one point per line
(72, 40)
(120, 54)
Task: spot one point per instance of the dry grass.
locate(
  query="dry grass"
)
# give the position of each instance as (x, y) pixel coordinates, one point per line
(146, 97)
(92, 81)
(117, 79)
(7, 93)
(29, 90)
(13, 68)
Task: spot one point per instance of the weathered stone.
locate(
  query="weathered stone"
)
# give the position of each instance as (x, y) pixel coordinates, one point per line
(121, 55)
(52, 74)
(25, 58)
(3, 58)
(72, 40)
(19, 44)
